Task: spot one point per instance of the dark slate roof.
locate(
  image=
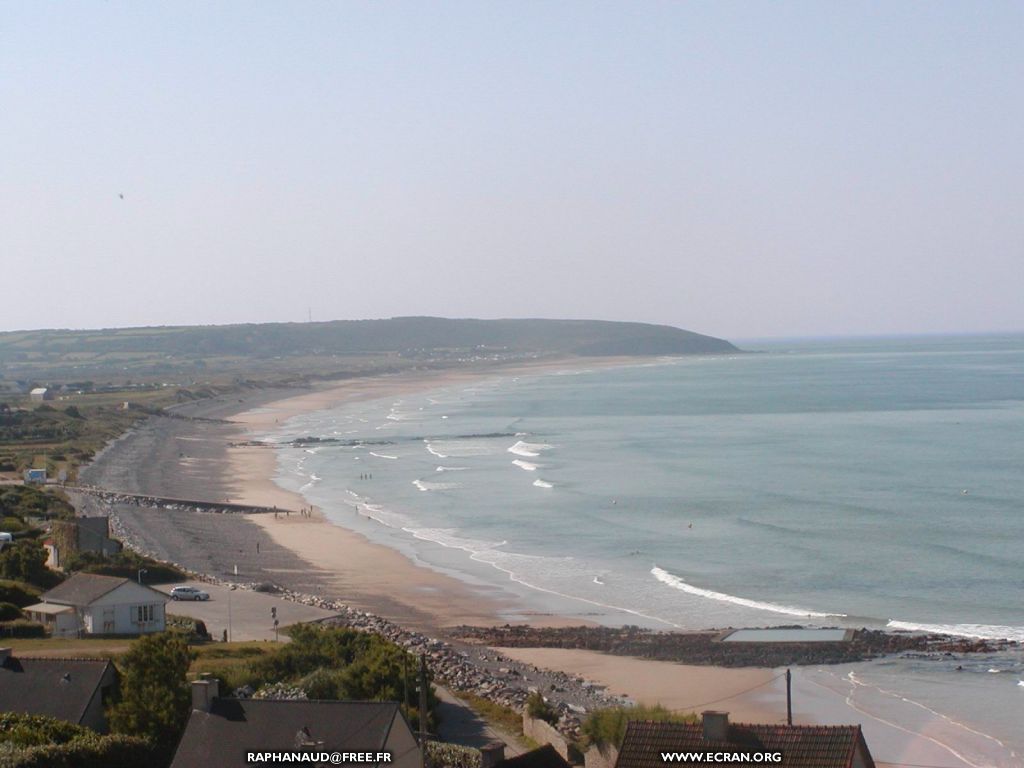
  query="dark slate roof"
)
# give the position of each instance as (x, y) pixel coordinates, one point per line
(233, 727)
(60, 688)
(82, 589)
(542, 757)
(803, 746)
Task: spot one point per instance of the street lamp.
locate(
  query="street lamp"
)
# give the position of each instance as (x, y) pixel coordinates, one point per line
(142, 571)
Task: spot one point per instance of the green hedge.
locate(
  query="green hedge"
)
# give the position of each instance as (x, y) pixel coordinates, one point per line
(23, 730)
(438, 755)
(9, 612)
(89, 752)
(125, 564)
(22, 628)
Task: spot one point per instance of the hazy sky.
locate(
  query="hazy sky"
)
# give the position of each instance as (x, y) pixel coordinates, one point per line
(740, 169)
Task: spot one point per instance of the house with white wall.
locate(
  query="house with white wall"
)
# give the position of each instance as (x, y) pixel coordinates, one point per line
(89, 604)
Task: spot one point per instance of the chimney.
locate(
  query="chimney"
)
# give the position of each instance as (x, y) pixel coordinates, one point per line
(491, 753)
(5, 654)
(203, 693)
(716, 725)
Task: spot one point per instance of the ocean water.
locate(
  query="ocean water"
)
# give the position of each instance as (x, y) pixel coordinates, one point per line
(833, 483)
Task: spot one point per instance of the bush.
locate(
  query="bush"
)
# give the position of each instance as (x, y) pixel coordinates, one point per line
(438, 755)
(93, 751)
(10, 612)
(608, 726)
(22, 628)
(23, 730)
(125, 564)
(363, 666)
(194, 628)
(25, 560)
(538, 708)
(18, 592)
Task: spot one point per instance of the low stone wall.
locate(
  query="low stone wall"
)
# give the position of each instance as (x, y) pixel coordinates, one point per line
(543, 733)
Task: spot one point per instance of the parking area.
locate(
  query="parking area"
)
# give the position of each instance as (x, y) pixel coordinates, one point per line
(246, 615)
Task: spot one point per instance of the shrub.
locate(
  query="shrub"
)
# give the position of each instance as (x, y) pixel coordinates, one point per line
(93, 751)
(438, 755)
(125, 564)
(18, 592)
(25, 560)
(538, 708)
(21, 628)
(23, 730)
(608, 726)
(10, 612)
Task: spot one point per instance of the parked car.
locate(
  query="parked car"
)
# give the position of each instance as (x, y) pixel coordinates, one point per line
(189, 593)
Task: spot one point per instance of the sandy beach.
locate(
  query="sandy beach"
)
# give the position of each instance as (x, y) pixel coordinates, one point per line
(217, 460)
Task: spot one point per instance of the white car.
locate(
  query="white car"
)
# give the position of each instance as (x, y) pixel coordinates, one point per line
(188, 593)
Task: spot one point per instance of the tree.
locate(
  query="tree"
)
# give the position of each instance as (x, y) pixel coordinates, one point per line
(155, 696)
(26, 561)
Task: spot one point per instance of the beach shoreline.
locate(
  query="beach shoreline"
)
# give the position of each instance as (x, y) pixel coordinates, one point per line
(314, 555)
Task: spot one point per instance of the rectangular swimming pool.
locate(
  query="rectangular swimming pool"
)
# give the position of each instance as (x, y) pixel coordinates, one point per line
(787, 636)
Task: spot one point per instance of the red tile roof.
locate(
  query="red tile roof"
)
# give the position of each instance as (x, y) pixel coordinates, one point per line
(802, 746)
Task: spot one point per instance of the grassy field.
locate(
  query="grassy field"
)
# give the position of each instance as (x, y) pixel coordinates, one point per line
(62, 434)
(209, 656)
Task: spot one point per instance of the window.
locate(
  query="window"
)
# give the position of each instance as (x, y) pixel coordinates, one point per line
(144, 613)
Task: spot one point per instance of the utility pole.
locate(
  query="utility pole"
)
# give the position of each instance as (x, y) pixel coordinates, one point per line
(423, 708)
(789, 697)
(405, 685)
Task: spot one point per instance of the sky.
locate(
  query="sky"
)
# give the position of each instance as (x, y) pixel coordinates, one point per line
(744, 169)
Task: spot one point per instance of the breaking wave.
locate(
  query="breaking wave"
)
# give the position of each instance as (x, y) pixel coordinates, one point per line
(676, 583)
(428, 486)
(530, 450)
(981, 631)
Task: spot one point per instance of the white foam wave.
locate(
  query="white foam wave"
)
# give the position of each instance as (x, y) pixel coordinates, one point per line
(447, 537)
(530, 450)
(457, 447)
(382, 455)
(451, 469)
(981, 631)
(428, 486)
(542, 483)
(525, 465)
(313, 480)
(676, 583)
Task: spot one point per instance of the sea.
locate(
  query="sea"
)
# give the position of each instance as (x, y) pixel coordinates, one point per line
(830, 482)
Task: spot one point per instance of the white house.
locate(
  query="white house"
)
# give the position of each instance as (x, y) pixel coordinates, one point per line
(88, 604)
(39, 394)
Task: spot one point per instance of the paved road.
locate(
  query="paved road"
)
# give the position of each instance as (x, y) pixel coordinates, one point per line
(462, 725)
(247, 612)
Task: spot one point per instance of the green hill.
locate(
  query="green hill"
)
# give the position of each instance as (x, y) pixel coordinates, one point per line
(147, 352)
